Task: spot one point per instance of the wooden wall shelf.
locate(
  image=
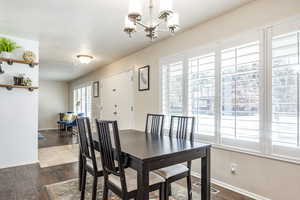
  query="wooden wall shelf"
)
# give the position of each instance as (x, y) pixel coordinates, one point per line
(10, 87)
(12, 61)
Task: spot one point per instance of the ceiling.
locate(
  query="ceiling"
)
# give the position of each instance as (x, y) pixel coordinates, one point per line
(66, 28)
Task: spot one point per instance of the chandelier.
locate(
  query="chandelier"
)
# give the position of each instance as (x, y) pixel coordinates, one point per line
(165, 16)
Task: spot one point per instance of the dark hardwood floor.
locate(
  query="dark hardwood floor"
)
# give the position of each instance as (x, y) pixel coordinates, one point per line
(52, 139)
(27, 182)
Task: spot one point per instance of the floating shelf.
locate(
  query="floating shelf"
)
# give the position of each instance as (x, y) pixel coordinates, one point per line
(10, 87)
(12, 61)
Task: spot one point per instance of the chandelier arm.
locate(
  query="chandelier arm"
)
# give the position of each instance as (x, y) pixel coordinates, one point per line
(158, 24)
(141, 24)
(163, 30)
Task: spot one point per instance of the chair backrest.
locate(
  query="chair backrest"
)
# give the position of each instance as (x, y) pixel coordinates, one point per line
(155, 124)
(86, 143)
(109, 153)
(61, 116)
(182, 126)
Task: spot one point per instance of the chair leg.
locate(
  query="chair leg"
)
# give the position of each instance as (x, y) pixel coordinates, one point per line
(66, 131)
(83, 184)
(189, 187)
(94, 188)
(166, 191)
(105, 190)
(170, 189)
(162, 192)
(80, 170)
(59, 129)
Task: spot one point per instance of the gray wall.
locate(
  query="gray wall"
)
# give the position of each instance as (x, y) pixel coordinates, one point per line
(53, 99)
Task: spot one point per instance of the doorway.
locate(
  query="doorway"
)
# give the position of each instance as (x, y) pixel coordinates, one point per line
(117, 99)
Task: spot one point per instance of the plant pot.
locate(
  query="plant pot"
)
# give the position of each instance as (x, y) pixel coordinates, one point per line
(18, 80)
(5, 54)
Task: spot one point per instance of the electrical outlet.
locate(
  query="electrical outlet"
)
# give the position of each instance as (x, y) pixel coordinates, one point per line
(233, 168)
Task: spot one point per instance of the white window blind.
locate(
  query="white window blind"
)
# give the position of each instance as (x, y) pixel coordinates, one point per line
(89, 101)
(75, 99)
(240, 92)
(285, 90)
(201, 93)
(172, 91)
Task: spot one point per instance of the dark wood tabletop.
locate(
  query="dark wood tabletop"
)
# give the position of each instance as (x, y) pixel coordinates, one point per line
(146, 146)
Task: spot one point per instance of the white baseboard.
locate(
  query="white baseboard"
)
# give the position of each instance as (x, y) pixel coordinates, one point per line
(19, 164)
(233, 188)
(47, 129)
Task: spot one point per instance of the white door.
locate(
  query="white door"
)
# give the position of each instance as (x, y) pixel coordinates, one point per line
(117, 99)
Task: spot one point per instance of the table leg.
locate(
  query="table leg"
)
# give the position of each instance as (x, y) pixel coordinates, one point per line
(80, 167)
(143, 182)
(205, 176)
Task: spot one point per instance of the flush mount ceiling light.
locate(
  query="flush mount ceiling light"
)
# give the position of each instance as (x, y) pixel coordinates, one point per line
(166, 15)
(85, 59)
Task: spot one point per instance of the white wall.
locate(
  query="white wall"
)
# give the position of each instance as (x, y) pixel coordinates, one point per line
(19, 112)
(273, 179)
(53, 99)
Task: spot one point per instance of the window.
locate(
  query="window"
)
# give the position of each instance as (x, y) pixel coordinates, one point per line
(201, 92)
(172, 91)
(285, 90)
(243, 92)
(82, 100)
(240, 92)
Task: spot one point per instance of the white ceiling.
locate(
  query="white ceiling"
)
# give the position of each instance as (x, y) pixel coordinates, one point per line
(66, 28)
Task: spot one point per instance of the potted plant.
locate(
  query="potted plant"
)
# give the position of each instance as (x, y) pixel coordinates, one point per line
(27, 82)
(7, 46)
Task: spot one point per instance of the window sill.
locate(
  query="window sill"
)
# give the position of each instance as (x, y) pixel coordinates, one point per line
(257, 154)
(210, 140)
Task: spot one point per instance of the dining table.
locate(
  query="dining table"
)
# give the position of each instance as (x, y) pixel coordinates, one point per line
(147, 152)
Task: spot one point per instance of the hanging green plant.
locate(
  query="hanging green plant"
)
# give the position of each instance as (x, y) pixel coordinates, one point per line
(7, 45)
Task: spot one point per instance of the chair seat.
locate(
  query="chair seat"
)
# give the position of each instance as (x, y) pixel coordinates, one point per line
(89, 163)
(171, 171)
(131, 179)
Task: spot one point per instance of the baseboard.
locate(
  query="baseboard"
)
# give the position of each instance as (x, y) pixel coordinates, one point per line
(47, 129)
(233, 188)
(19, 164)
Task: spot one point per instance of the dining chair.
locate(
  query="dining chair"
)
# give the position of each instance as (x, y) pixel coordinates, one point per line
(182, 128)
(60, 123)
(121, 181)
(155, 124)
(91, 163)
